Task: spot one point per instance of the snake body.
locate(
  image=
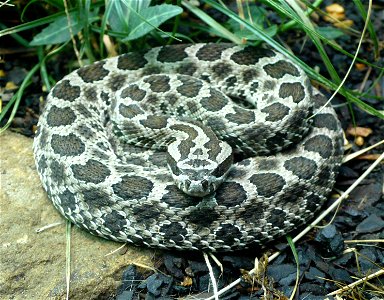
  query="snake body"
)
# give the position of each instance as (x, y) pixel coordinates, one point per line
(190, 147)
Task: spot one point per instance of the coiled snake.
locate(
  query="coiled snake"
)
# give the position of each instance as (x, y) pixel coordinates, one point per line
(205, 146)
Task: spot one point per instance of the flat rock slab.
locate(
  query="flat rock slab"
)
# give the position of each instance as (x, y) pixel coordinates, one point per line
(32, 265)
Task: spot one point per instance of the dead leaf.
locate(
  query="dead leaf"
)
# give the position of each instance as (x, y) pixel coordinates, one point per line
(359, 131)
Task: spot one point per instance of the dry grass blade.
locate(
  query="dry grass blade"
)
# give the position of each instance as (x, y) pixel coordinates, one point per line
(212, 276)
(362, 151)
(363, 241)
(68, 257)
(353, 284)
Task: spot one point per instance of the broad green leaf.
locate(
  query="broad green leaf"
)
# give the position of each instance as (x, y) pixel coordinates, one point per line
(151, 18)
(330, 32)
(58, 31)
(124, 13)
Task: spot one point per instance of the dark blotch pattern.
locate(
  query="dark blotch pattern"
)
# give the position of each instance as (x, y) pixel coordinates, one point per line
(190, 87)
(221, 70)
(96, 198)
(215, 102)
(320, 144)
(133, 187)
(58, 116)
(249, 75)
(93, 72)
(133, 92)
(230, 194)
(67, 199)
(276, 112)
(295, 90)
(203, 216)
(231, 81)
(313, 202)
(57, 172)
(324, 176)
(277, 218)
(267, 164)
(251, 55)
(280, 68)
(93, 171)
(325, 121)
(302, 167)
(158, 83)
(172, 53)
(319, 100)
(211, 52)
(115, 222)
(228, 233)
(130, 111)
(65, 91)
(116, 81)
(241, 116)
(174, 232)
(176, 198)
(67, 145)
(90, 94)
(267, 184)
(146, 213)
(186, 69)
(254, 87)
(155, 122)
(131, 61)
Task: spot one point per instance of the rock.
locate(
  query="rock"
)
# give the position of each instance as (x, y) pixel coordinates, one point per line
(314, 274)
(159, 285)
(330, 241)
(174, 264)
(285, 274)
(371, 224)
(33, 265)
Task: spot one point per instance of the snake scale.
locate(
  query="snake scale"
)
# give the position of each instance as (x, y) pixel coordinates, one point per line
(207, 146)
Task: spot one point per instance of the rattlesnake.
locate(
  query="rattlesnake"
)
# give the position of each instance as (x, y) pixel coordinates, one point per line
(98, 141)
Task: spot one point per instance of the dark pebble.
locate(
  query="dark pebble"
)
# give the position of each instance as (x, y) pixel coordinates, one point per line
(284, 274)
(340, 275)
(371, 193)
(130, 279)
(367, 259)
(371, 224)
(312, 288)
(125, 295)
(174, 265)
(158, 284)
(330, 241)
(347, 172)
(314, 274)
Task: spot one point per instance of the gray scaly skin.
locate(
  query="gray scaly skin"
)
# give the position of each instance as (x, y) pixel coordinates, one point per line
(100, 142)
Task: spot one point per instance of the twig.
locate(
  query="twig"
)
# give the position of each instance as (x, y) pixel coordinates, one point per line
(349, 286)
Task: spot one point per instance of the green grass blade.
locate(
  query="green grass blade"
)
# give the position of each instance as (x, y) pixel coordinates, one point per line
(212, 23)
(371, 30)
(294, 252)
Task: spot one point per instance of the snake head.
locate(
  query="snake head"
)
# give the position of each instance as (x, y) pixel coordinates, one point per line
(199, 177)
